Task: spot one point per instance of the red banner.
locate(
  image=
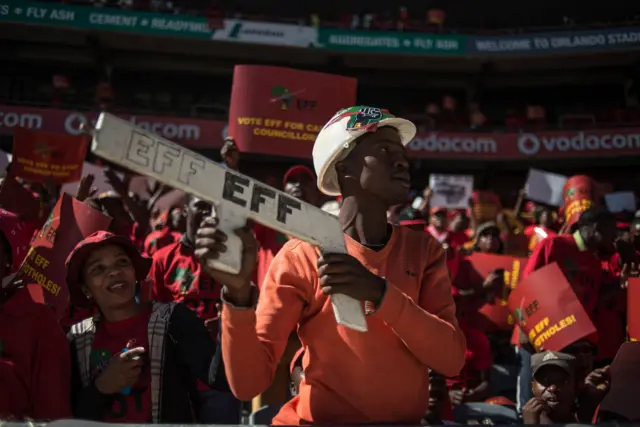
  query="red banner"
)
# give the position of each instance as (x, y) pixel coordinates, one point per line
(46, 156)
(633, 309)
(202, 133)
(496, 316)
(546, 308)
(69, 223)
(281, 110)
(191, 132)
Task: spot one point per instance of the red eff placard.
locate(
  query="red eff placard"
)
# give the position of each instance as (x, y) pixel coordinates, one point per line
(547, 309)
(496, 315)
(43, 156)
(280, 111)
(69, 223)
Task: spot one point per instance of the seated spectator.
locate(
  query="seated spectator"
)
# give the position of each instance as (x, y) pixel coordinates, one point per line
(554, 389)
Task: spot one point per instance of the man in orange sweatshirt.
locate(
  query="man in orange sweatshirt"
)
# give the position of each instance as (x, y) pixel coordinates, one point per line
(376, 377)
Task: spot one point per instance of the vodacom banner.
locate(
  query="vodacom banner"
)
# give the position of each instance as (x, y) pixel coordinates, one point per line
(201, 133)
(196, 133)
(514, 146)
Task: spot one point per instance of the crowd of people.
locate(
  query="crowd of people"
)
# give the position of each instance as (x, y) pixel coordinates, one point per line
(155, 333)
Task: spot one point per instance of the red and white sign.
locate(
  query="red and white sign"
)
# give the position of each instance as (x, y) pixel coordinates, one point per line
(200, 133)
(191, 132)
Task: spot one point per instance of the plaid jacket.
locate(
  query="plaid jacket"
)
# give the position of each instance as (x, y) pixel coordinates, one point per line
(177, 342)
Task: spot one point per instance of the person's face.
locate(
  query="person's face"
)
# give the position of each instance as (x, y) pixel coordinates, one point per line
(178, 220)
(546, 218)
(604, 235)
(108, 277)
(439, 220)
(197, 211)
(584, 352)
(303, 187)
(378, 166)
(297, 375)
(232, 158)
(489, 241)
(460, 222)
(555, 387)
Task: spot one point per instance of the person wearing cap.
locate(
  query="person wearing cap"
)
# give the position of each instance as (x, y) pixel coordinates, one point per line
(553, 388)
(230, 153)
(376, 377)
(176, 275)
(132, 362)
(34, 354)
(579, 257)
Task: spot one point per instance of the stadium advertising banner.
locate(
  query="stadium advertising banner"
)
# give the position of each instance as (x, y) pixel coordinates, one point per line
(560, 42)
(190, 132)
(155, 24)
(391, 42)
(200, 133)
(280, 111)
(234, 30)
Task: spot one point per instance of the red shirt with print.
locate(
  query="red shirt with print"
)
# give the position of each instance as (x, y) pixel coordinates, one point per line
(158, 239)
(176, 275)
(109, 340)
(478, 358)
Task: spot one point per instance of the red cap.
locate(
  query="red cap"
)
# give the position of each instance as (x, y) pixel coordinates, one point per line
(298, 170)
(78, 256)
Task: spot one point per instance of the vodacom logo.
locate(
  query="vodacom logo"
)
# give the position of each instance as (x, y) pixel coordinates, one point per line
(531, 144)
(168, 129)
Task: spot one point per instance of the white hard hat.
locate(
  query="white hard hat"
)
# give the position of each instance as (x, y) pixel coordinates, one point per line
(335, 140)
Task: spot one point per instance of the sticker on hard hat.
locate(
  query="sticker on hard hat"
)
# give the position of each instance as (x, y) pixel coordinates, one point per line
(366, 118)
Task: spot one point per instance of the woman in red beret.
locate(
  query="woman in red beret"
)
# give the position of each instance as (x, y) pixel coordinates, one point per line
(133, 362)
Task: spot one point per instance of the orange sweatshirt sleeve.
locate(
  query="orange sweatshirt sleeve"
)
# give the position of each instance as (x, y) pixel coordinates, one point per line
(429, 328)
(253, 341)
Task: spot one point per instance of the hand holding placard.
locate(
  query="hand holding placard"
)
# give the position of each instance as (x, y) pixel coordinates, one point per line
(236, 198)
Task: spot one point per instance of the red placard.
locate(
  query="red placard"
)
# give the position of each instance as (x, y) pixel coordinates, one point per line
(633, 309)
(69, 223)
(548, 311)
(496, 316)
(280, 111)
(43, 156)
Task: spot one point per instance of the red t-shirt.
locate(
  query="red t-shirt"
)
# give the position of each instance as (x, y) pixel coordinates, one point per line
(158, 239)
(110, 339)
(35, 366)
(270, 243)
(176, 275)
(478, 358)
